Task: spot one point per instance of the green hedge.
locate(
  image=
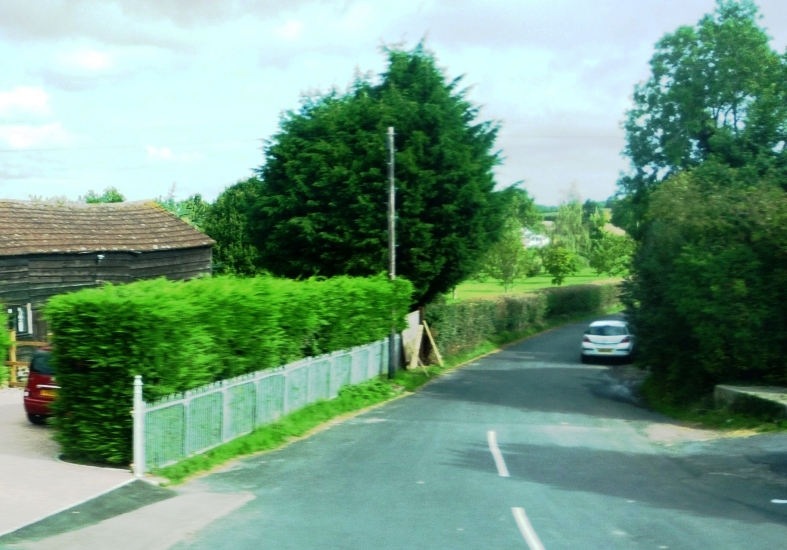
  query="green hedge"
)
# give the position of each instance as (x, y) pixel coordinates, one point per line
(181, 335)
(5, 341)
(462, 326)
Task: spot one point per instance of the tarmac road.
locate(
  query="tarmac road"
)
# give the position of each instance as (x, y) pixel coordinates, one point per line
(587, 469)
(526, 448)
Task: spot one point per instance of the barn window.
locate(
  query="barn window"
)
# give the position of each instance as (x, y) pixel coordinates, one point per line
(20, 319)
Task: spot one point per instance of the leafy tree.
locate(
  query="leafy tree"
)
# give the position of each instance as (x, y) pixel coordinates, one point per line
(568, 230)
(611, 254)
(508, 260)
(559, 262)
(596, 224)
(717, 91)
(709, 282)
(228, 223)
(323, 206)
(110, 194)
(519, 207)
(191, 210)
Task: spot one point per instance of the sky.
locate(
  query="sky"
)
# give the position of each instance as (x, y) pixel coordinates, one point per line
(160, 96)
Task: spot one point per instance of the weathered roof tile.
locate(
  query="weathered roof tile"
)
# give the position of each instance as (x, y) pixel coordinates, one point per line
(28, 227)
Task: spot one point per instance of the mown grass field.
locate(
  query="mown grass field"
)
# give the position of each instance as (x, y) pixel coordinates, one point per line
(490, 288)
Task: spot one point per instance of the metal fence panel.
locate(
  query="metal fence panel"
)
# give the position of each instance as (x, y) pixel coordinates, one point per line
(185, 424)
(360, 366)
(206, 418)
(297, 388)
(320, 380)
(164, 431)
(376, 355)
(242, 404)
(340, 372)
(270, 398)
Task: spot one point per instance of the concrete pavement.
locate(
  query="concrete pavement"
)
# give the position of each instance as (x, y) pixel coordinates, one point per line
(33, 482)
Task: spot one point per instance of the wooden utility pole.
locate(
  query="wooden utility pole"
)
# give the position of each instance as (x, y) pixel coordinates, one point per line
(392, 355)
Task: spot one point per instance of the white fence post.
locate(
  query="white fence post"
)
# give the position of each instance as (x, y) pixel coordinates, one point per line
(139, 429)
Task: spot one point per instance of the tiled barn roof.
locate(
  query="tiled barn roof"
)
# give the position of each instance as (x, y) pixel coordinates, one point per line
(33, 227)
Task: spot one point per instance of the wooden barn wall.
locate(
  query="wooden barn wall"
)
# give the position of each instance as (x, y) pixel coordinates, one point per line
(173, 264)
(14, 280)
(51, 274)
(35, 278)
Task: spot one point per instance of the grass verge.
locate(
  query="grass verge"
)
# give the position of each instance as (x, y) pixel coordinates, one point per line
(351, 399)
(491, 289)
(702, 413)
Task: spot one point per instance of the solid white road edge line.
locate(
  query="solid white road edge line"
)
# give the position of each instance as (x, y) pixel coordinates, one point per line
(491, 437)
(526, 529)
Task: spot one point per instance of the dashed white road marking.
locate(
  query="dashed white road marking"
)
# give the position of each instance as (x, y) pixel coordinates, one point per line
(491, 437)
(526, 529)
(779, 501)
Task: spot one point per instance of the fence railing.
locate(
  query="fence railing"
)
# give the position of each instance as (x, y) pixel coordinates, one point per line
(193, 422)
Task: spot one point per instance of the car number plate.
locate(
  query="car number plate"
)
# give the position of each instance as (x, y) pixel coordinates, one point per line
(48, 393)
(605, 350)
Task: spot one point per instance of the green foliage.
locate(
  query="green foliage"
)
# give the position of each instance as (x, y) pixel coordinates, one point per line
(611, 254)
(559, 262)
(181, 335)
(228, 223)
(461, 326)
(519, 208)
(110, 194)
(191, 210)
(709, 282)
(569, 232)
(5, 342)
(581, 299)
(702, 412)
(717, 91)
(508, 260)
(323, 206)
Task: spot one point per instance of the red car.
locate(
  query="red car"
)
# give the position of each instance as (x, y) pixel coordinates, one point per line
(41, 389)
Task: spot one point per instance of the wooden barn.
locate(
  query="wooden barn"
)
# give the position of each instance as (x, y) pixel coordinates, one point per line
(50, 248)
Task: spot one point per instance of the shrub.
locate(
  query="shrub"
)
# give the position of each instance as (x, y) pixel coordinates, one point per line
(461, 326)
(709, 283)
(577, 299)
(181, 335)
(5, 341)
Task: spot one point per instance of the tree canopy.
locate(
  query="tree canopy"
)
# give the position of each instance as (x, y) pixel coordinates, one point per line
(717, 91)
(322, 199)
(110, 194)
(706, 200)
(227, 222)
(710, 282)
(507, 259)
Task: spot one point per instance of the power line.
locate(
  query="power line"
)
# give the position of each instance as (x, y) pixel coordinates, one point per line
(106, 147)
(99, 147)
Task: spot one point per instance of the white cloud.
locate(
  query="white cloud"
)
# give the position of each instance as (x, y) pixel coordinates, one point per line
(158, 152)
(26, 136)
(291, 30)
(85, 60)
(165, 153)
(24, 99)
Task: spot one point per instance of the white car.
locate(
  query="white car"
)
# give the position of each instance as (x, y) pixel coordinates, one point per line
(607, 339)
